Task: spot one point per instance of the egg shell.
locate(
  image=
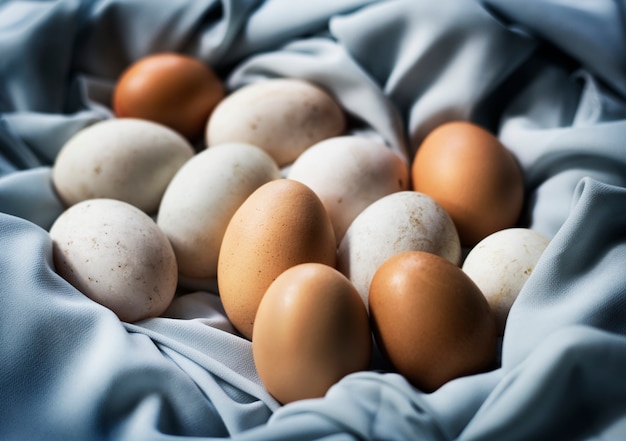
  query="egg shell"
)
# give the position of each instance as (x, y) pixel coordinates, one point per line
(401, 221)
(283, 116)
(310, 331)
(172, 89)
(116, 255)
(203, 196)
(127, 159)
(430, 320)
(500, 265)
(473, 176)
(282, 224)
(348, 173)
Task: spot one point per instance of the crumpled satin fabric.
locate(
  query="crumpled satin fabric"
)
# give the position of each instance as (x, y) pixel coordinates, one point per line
(548, 77)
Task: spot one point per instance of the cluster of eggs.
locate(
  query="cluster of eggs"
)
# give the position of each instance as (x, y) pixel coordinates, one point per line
(322, 243)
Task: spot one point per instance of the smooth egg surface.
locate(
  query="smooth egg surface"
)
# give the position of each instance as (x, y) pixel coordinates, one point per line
(117, 256)
(127, 159)
(430, 320)
(310, 331)
(172, 89)
(348, 173)
(500, 265)
(473, 176)
(283, 116)
(203, 196)
(281, 224)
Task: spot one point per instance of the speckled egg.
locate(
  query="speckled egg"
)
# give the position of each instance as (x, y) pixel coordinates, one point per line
(116, 255)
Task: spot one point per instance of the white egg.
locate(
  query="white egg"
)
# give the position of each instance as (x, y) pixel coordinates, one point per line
(116, 255)
(398, 222)
(501, 263)
(203, 196)
(283, 116)
(348, 173)
(130, 160)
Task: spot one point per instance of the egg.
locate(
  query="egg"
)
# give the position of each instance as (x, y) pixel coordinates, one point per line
(430, 320)
(401, 221)
(283, 116)
(281, 224)
(311, 330)
(172, 89)
(116, 255)
(127, 159)
(203, 196)
(473, 176)
(501, 263)
(348, 173)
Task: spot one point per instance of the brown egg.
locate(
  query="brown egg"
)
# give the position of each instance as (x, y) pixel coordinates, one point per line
(472, 176)
(281, 224)
(430, 320)
(172, 89)
(310, 331)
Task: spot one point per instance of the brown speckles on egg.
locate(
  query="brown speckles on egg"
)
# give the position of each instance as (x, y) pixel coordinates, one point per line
(401, 221)
(114, 254)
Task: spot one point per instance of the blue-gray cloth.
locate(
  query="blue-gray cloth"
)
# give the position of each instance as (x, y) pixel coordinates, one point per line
(547, 76)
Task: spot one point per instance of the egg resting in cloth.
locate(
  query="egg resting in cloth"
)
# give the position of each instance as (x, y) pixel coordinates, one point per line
(547, 77)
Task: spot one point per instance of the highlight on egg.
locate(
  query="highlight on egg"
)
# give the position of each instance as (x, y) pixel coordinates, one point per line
(500, 265)
(401, 221)
(310, 331)
(281, 224)
(202, 197)
(117, 256)
(283, 116)
(173, 89)
(354, 244)
(348, 173)
(430, 320)
(127, 159)
(473, 176)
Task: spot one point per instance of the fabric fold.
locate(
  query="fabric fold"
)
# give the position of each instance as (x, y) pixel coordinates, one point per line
(545, 76)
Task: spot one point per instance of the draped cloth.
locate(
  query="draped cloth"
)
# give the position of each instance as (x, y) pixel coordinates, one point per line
(548, 77)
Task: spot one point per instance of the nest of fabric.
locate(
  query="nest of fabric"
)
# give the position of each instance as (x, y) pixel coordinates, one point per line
(547, 77)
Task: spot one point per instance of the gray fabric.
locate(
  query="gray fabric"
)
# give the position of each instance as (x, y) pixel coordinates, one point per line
(547, 76)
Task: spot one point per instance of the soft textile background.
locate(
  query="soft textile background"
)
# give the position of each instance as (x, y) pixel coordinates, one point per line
(547, 76)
